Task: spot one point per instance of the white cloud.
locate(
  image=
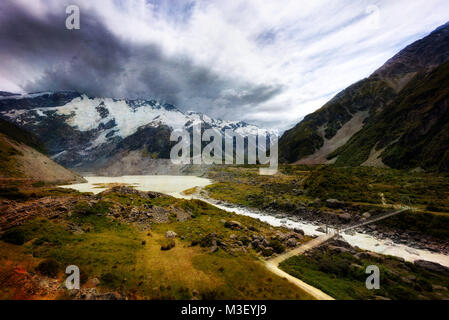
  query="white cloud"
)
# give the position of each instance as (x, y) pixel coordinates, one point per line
(311, 49)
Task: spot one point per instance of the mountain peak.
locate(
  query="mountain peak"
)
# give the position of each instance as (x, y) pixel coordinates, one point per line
(422, 55)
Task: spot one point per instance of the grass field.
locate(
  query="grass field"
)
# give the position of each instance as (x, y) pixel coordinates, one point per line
(342, 275)
(129, 260)
(361, 187)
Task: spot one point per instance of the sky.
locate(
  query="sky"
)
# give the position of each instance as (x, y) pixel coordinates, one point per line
(266, 62)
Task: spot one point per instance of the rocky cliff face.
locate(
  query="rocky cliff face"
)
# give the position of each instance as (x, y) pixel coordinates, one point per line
(395, 117)
(89, 134)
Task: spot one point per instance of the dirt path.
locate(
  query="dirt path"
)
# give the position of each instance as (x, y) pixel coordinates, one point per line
(273, 266)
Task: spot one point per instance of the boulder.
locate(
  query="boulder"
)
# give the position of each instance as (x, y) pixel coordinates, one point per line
(345, 217)
(170, 234)
(92, 283)
(233, 225)
(291, 243)
(341, 243)
(432, 266)
(334, 204)
(255, 244)
(366, 215)
(369, 255)
(209, 240)
(336, 249)
(321, 229)
(436, 287)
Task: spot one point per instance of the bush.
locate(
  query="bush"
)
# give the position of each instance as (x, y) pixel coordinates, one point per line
(245, 240)
(49, 268)
(38, 184)
(267, 252)
(209, 294)
(84, 208)
(109, 279)
(168, 244)
(277, 246)
(12, 193)
(14, 236)
(208, 241)
(40, 241)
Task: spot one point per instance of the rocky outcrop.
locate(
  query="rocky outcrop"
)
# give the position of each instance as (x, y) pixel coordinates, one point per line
(432, 266)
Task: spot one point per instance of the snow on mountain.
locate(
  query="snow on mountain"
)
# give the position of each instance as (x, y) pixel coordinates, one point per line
(86, 114)
(78, 129)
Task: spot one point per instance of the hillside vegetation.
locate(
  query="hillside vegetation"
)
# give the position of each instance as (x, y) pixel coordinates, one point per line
(22, 157)
(404, 111)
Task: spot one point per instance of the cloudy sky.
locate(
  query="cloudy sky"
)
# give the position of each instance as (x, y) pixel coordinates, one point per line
(268, 62)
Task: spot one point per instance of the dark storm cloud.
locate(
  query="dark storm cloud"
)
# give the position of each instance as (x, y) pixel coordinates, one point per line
(94, 61)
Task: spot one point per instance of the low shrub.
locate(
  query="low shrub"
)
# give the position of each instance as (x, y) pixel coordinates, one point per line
(277, 246)
(14, 236)
(109, 279)
(49, 268)
(168, 244)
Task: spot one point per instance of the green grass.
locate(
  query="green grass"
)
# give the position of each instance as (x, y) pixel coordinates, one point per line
(106, 247)
(360, 187)
(334, 274)
(132, 262)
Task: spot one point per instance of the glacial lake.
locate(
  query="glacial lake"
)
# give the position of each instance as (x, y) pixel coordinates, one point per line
(171, 185)
(175, 185)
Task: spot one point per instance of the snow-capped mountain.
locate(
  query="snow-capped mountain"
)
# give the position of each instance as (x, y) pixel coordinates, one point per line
(85, 132)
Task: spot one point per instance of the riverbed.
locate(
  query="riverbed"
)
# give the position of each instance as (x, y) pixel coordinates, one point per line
(175, 185)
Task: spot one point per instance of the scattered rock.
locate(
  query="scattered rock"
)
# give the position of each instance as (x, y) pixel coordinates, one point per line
(366, 215)
(438, 288)
(291, 243)
(345, 217)
(321, 229)
(334, 204)
(337, 249)
(256, 244)
(209, 241)
(369, 255)
(170, 234)
(233, 225)
(92, 283)
(381, 298)
(432, 266)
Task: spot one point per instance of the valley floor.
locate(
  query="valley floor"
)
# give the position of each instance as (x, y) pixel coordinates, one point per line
(132, 244)
(122, 241)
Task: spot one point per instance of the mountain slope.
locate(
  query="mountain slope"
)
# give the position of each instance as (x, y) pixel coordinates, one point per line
(413, 132)
(88, 134)
(343, 130)
(20, 159)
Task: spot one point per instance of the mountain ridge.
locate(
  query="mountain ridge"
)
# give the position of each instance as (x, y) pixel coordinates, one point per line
(312, 141)
(87, 133)
(22, 157)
